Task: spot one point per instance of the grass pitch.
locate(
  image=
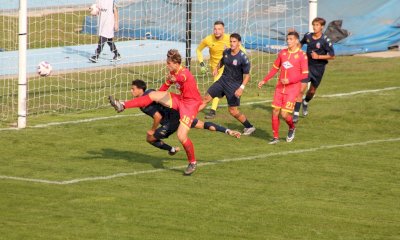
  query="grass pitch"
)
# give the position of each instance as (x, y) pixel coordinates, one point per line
(338, 179)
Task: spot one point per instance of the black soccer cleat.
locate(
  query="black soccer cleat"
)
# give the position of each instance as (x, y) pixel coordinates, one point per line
(116, 58)
(94, 59)
(191, 168)
(290, 135)
(274, 141)
(211, 114)
(117, 105)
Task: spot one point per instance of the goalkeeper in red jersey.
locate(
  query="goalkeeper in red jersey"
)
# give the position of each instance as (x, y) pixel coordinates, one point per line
(187, 103)
(293, 66)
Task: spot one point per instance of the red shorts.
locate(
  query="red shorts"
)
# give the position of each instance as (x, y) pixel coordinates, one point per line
(188, 109)
(285, 98)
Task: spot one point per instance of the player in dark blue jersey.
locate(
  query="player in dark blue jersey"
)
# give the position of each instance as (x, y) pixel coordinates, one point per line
(232, 82)
(319, 51)
(168, 118)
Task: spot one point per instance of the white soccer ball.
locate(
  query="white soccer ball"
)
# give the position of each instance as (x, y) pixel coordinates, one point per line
(94, 10)
(44, 69)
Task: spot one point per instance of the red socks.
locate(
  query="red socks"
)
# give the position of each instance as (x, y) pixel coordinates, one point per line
(138, 102)
(188, 146)
(289, 121)
(275, 126)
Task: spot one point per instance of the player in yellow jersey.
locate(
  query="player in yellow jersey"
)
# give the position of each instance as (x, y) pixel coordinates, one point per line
(216, 42)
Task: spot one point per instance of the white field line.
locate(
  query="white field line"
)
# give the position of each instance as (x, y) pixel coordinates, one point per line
(247, 103)
(249, 158)
(358, 92)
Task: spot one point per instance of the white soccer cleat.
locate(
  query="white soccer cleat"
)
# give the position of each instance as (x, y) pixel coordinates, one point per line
(248, 131)
(117, 105)
(176, 150)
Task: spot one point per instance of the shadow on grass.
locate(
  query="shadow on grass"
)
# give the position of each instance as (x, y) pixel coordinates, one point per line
(135, 157)
(235, 125)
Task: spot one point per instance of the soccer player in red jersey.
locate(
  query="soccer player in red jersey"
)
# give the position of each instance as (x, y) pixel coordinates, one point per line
(294, 68)
(187, 103)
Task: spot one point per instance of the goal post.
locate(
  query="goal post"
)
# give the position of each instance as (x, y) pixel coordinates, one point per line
(313, 13)
(22, 78)
(188, 40)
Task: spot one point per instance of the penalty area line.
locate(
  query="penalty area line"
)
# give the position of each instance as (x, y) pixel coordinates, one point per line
(248, 158)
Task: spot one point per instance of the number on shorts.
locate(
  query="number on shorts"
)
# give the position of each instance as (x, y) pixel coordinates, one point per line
(186, 120)
(289, 105)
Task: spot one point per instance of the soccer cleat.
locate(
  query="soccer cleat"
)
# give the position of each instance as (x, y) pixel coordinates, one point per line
(177, 149)
(211, 114)
(116, 58)
(290, 135)
(248, 131)
(295, 118)
(190, 169)
(305, 109)
(117, 105)
(94, 59)
(233, 133)
(274, 141)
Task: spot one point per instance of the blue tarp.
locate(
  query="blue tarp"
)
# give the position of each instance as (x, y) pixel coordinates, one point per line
(261, 24)
(373, 25)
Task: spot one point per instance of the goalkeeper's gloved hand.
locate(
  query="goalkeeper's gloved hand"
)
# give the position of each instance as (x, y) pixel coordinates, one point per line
(203, 68)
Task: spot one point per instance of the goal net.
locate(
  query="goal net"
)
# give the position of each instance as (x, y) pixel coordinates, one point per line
(64, 34)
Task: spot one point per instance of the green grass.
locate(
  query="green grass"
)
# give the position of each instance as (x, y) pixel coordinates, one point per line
(50, 30)
(336, 192)
(342, 192)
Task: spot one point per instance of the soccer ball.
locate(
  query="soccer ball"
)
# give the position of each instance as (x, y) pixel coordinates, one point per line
(94, 10)
(44, 69)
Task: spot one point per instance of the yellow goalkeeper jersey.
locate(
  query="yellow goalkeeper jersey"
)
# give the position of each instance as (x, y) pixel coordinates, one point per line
(216, 48)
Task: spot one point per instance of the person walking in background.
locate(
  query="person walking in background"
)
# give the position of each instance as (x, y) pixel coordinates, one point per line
(107, 24)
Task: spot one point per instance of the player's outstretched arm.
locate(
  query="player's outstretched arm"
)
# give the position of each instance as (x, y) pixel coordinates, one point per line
(202, 45)
(215, 127)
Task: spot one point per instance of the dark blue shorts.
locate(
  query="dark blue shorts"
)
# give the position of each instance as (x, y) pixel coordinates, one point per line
(221, 88)
(169, 126)
(315, 74)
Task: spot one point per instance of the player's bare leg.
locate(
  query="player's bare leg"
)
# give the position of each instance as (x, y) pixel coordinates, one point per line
(206, 99)
(161, 144)
(248, 127)
(215, 127)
